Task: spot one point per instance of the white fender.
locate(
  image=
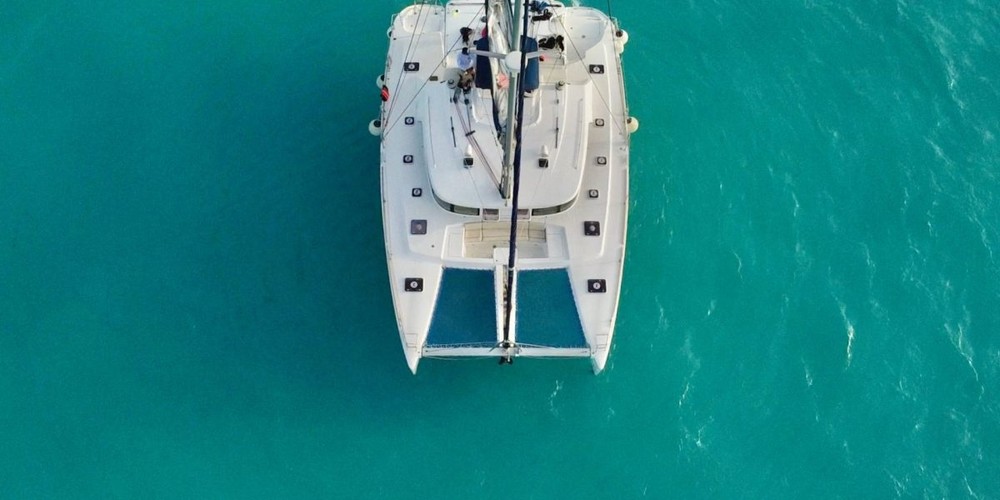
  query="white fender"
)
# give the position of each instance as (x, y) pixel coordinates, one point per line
(375, 127)
(380, 81)
(633, 124)
(621, 38)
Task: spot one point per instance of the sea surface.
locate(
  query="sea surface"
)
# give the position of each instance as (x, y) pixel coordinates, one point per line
(194, 301)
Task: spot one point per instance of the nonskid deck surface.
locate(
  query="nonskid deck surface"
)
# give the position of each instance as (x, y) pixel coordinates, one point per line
(446, 222)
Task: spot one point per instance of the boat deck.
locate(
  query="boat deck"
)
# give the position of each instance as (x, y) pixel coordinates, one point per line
(442, 215)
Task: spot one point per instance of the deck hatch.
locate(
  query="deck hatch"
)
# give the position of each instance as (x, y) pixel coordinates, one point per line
(597, 286)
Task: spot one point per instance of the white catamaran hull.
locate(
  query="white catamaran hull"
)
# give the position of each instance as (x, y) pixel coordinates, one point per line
(444, 161)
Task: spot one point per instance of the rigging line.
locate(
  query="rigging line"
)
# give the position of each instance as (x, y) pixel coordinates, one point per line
(590, 77)
(475, 187)
(477, 357)
(426, 81)
(481, 100)
(473, 139)
(474, 143)
(408, 52)
(486, 164)
(482, 156)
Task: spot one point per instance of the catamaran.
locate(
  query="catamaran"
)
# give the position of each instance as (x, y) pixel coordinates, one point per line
(504, 133)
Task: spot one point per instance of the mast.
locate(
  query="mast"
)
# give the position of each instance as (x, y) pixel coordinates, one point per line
(513, 141)
(513, 96)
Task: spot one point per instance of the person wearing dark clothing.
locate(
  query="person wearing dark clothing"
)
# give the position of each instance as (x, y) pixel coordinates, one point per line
(536, 6)
(544, 16)
(552, 42)
(542, 11)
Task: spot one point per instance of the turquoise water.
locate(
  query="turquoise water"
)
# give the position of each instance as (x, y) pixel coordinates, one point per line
(194, 302)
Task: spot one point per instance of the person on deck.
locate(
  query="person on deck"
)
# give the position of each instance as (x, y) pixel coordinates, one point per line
(552, 42)
(537, 7)
(466, 60)
(544, 16)
(466, 63)
(466, 36)
(542, 11)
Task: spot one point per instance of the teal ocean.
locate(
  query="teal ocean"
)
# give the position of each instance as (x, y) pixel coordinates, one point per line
(194, 301)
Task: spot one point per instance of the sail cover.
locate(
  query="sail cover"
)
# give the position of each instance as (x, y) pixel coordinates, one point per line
(531, 69)
(484, 71)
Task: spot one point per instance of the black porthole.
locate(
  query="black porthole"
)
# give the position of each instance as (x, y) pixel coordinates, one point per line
(593, 193)
(413, 284)
(416, 192)
(599, 122)
(602, 160)
(418, 226)
(592, 228)
(597, 69)
(543, 162)
(597, 286)
(409, 120)
(415, 66)
(407, 159)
